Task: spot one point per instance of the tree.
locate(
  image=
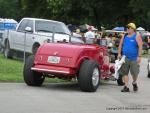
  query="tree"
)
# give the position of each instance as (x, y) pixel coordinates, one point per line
(99, 13)
(35, 8)
(10, 9)
(141, 12)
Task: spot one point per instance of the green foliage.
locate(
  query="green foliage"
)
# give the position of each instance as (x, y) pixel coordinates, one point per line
(10, 9)
(106, 13)
(141, 11)
(35, 8)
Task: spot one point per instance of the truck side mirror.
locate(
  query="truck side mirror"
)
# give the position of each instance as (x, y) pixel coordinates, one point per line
(28, 29)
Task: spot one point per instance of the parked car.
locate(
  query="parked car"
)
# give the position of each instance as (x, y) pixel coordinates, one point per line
(32, 32)
(88, 63)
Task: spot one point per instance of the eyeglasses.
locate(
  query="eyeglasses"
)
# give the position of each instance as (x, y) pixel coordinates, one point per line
(128, 27)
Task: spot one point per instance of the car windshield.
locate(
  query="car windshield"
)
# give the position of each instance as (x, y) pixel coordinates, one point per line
(48, 26)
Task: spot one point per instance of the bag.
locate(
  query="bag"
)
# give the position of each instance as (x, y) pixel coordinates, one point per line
(118, 64)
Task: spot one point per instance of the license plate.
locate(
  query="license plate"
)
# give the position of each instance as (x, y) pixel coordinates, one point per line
(53, 59)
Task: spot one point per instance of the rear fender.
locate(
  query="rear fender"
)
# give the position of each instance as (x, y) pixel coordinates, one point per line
(79, 62)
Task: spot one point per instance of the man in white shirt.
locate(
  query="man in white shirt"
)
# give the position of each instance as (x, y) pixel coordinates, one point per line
(90, 36)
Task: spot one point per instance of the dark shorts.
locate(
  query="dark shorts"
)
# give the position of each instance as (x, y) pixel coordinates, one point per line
(131, 66)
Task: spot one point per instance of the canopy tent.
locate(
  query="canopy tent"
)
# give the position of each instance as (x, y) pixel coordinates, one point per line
(140, 29)
(119, 29)
(85, 27)
(8, 20)
(114, 31)
(8, 24)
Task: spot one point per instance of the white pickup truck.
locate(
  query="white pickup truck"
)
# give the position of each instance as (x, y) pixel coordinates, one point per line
(32, 32)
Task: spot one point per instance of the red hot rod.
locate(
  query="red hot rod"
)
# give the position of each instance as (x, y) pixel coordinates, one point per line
(88, 63)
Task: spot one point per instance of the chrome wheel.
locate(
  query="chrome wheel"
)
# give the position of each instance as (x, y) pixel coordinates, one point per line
(95, 76)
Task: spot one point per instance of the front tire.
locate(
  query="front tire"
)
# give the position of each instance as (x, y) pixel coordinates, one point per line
(7, 51)
(148, 75)
(31, 77)
(148, 68)
(89, 76)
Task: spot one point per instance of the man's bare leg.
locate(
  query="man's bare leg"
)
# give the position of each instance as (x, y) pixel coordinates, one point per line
(126, 81)
(134, 83)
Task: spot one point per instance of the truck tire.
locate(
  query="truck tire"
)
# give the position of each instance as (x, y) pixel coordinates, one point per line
(32, 78)
(89, 76)
(120, 81)
(8, 53)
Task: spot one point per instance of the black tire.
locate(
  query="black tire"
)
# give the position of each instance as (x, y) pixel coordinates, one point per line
(86, 74)
(148, 75)
(8, 53)
(32, 78)
(35, 48)
(120, 81)
(113, 58)
(148, 71)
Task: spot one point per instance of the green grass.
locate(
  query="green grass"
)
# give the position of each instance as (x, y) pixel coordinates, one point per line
(11, 70)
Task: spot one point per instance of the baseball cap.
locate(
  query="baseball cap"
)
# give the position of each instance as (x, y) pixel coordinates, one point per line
(78, 30)
(131, 25)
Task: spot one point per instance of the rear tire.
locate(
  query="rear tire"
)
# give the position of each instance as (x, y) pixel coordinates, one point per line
(120, 81)
(7, 51)
(89, 76)
(31, 77)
